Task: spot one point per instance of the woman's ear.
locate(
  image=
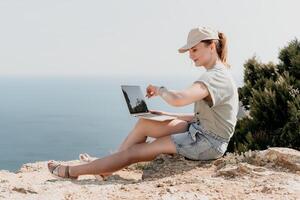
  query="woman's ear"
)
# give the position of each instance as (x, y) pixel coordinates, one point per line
(212, 46)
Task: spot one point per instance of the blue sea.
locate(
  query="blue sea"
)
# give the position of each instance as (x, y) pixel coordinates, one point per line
(45, 118)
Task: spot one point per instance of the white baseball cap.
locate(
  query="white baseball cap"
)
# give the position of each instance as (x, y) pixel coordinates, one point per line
(197, 35)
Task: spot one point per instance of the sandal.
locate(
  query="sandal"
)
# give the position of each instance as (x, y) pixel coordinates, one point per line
(54, 170)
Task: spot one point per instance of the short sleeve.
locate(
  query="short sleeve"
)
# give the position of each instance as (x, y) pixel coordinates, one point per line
(211, 83)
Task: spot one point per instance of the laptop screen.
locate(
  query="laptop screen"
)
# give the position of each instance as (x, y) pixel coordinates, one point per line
(134, 99)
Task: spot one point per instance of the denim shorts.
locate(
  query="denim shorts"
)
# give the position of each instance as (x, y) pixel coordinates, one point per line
(199, 144)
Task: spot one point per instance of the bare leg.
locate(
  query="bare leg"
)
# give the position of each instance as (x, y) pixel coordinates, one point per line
(155, 129)
(151, 128)
(135, 153)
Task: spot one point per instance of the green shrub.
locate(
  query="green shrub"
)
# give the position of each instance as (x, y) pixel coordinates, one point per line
(271, 95)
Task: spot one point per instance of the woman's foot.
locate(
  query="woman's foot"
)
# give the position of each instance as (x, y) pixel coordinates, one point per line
(87, 158)
(59, 171)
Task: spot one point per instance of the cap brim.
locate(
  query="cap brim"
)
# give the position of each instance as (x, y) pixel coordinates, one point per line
(184, 49)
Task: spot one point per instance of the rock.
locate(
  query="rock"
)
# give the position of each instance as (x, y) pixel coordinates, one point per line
(287, 158)
(171, 190)
(160, 185)
(273, 172)
(24, 191)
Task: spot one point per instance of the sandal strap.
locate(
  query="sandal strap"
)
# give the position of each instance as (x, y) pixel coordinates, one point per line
(55, 169)
(67, 173)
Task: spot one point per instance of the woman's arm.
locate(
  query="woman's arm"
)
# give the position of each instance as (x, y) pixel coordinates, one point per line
(195, 92)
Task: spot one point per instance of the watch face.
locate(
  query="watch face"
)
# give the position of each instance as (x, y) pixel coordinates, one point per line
(161, 89)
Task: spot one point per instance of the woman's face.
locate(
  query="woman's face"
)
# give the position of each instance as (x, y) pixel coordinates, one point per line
(201, 54)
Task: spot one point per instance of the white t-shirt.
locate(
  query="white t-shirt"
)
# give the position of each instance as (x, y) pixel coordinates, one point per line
(220, 117)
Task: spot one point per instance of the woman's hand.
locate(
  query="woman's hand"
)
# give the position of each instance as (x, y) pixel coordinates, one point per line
(151, 91)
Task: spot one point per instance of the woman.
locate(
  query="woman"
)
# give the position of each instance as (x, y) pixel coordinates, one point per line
(203, 135)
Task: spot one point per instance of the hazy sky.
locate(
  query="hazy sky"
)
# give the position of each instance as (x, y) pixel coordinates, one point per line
(116, 38)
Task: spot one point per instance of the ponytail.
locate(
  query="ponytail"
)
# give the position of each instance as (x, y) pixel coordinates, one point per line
(221, 47)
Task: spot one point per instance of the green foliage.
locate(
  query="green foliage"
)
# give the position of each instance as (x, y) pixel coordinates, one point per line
(290, 60)
(271, 94)
(256, 76)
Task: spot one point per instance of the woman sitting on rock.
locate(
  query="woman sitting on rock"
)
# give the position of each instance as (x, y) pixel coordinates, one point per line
(203, 135)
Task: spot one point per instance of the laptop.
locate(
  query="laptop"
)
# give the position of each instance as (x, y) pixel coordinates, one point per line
(137, 105)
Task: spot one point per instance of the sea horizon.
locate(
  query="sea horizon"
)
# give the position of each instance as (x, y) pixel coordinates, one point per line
(45, 118)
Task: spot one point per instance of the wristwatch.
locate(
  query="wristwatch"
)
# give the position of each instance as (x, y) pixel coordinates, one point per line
(161, 89)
